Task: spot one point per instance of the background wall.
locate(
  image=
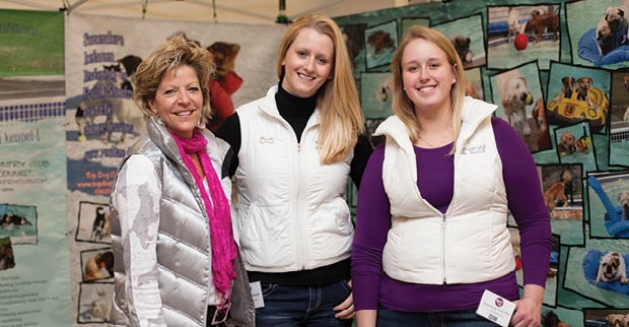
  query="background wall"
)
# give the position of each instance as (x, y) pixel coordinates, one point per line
(586, 224)
(52, 65)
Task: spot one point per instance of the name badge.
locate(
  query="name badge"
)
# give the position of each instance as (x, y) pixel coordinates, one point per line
(495, 308)
(256, 293)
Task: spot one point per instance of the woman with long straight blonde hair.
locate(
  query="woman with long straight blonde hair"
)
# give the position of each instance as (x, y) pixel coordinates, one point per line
(295, 149)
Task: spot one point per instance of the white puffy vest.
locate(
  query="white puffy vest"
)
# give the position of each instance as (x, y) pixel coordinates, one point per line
(469, 243)
(291, 212)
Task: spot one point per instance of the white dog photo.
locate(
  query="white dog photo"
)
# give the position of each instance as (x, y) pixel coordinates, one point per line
(515, 96)
(612, 267)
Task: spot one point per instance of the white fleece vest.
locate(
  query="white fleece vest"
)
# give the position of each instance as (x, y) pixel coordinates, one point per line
(470, 243)
(291, 212)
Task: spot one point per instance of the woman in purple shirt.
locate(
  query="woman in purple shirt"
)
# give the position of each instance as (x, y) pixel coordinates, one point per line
(431, 233)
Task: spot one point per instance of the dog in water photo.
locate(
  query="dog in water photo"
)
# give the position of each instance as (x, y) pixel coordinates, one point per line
(612, 267)
(541, 22)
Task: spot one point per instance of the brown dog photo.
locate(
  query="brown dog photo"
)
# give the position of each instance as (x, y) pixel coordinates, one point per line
(562, 190)
(467, 37)
(518, 34)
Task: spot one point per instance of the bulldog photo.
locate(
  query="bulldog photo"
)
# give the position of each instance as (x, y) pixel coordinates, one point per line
(611, 29)
(612, 267)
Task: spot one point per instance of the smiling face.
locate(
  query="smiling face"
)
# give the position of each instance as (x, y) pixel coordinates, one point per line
(308, 63)
(427, 75)
(179, 100)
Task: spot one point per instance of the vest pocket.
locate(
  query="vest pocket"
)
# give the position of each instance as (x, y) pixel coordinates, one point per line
(266, 236)
(332, 230)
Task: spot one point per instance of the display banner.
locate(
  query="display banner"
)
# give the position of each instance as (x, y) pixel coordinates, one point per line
(34, 270)
(103, 122)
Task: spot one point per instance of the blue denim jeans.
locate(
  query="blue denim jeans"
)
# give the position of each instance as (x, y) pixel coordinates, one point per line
(287, 306)
(467, 318)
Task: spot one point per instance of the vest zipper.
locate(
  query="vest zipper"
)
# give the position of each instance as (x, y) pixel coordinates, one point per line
(443, 247)
(299, 236)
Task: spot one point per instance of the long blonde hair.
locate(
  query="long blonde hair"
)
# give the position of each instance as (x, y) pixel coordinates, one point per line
(175, 52)
(403, 107)
(341, 115)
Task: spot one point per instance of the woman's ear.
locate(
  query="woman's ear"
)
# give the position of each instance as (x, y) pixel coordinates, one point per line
(152, 106)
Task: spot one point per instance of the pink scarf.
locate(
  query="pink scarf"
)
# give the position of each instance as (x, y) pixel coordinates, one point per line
(224, 249)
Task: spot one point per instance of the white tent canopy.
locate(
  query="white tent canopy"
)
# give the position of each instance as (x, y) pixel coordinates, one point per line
(234, 11)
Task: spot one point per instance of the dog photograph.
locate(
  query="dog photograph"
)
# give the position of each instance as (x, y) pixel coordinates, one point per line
(608, 205)
(568, 144)
(380, 44)
(606, 317)
(375, 94)
(577, 94)
(519, 34)
(94, 304)
(7, 259)
(94, 223)
(542, 140)
(550, 290)
(354, 36)
(516, 92)
(97, 264)
(224, 82)
(612, 267)
(371, 126)
(18, 222)
(598, 32)
(468, 38)
(619, 120)
(114, 119)
(598, 271)
(552, 273)
(558, 316)
(408, 22)
(574, 145)
(562, 187)
(474, 87)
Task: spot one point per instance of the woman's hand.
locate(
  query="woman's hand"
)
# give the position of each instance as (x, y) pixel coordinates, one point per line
(345, 310)
(528, 310)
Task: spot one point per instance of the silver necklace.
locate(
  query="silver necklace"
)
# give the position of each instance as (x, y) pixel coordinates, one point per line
(439, 142)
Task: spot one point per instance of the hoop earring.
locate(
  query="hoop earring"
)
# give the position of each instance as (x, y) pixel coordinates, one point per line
(200, 124)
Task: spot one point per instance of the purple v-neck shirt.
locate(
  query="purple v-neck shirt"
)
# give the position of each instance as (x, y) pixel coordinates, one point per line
(371, 286)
